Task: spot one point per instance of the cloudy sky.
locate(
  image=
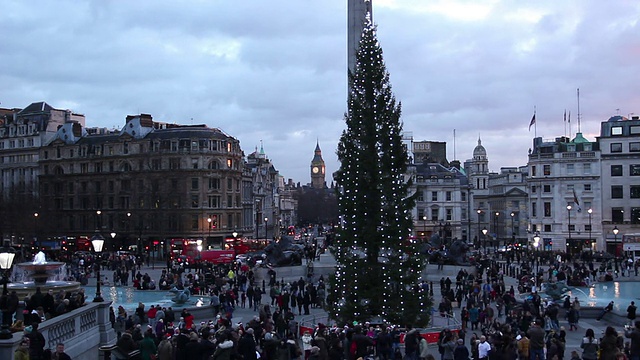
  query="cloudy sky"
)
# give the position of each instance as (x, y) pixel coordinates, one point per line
(275, 71)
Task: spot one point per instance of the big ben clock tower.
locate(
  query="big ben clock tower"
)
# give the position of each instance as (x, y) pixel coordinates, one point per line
(317, 169)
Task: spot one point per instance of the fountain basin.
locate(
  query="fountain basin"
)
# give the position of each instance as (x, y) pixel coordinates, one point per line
(28, 276)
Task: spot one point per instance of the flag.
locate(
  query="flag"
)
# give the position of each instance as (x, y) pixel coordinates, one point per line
(569, 118)
(533, 121)
(565, 115)
(575, 200)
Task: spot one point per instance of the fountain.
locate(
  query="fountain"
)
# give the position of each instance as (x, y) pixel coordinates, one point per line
(47, 275)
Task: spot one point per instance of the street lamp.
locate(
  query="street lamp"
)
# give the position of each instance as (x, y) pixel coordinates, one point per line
(235, 234)
(6, 261)
(113, 238)
(209, 220)
(484, 232)
(513, 229)
(569, 217)
(98, 220)
(36, 215)
(478, 233)
(615, 249)
(589, 212)
(424, 226)
(98, 242)
(536, 244)
(495, 222)
(266, 231)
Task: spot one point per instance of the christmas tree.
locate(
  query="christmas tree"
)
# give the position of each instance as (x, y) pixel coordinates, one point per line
(378, 272)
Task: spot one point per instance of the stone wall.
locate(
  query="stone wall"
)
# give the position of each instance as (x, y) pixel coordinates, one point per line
(82, 331)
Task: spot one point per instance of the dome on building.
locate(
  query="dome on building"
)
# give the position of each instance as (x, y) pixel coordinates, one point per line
(479, 151)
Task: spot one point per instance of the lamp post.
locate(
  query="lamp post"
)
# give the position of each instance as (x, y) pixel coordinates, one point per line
(513, 229)
(424, 226)
(98, 220)
(7, 255)
(590, 211)
(128, 230)
(36, 216)
(234, 234)
(536, 244)
(266, 231)
(199, 248)
(615, 249)
(113, 238)
(209, 220)
(479, 214)
(495, 226)
(98, 242)
(484, 232)
(569, 217)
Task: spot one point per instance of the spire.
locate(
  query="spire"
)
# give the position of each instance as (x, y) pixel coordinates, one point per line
(261, 148)
(318, 147)
(479, 141)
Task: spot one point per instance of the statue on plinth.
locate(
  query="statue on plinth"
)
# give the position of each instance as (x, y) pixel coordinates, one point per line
(39, 259)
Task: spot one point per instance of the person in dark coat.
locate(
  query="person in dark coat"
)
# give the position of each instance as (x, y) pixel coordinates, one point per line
(193, 349)
(460, 352)
(247, 345)
(36, 343)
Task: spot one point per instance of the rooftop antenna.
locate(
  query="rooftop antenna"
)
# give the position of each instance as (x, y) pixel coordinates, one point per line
(579, 115)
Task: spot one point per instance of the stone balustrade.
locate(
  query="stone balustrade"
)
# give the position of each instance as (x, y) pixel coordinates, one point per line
(82, 331)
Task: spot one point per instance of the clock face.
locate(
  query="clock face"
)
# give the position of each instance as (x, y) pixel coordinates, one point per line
(315, 169)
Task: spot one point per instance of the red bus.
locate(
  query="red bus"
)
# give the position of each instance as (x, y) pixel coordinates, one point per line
(243, 246)
(184, 247)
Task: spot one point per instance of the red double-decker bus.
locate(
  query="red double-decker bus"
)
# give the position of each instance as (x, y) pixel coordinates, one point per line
(184, 247)
(243, 246)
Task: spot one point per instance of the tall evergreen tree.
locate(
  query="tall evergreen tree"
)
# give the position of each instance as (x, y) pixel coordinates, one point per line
(378, 266)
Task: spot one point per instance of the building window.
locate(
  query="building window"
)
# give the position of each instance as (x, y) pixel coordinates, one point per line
(616, 192)
(195, 201)
(214, 183)
(616, 130)
(533, 170)
(616, 147)
(420, 196)
(534, 189)
(616, 170)
(534, 210)
(547, 228)
(546, 188)
(195, 222)
(195, 184)
(434, 214)
(617, 215)
(463, 196)
(634, 147)
(547, 209)
(587, 187)
(214, 202)
(634, 130)
(586, 168)
(635, 215)
(588, 228)
(434, 196)
(634, 170)
(571, 169)
(634, 192)
(546, 170)
(572, 227)
(448, 195)
(194, 163)
(449, 214)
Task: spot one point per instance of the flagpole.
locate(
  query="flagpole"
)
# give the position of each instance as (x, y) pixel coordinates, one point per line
(535, 124)
(578, 92)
